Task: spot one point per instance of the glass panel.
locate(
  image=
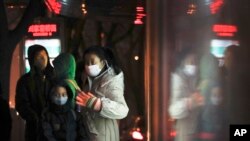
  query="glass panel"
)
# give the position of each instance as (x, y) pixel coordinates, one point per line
(53, 46)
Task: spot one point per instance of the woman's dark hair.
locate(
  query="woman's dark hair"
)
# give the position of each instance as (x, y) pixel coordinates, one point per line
(104, 53)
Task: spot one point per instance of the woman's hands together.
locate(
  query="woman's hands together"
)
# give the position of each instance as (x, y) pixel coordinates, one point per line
(82, 98)
(88, 100)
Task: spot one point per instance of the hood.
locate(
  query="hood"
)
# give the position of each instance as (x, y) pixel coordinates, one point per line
(65, 66)
(31, 56)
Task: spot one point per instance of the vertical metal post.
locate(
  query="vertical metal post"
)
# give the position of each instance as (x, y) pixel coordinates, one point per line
(157, 70)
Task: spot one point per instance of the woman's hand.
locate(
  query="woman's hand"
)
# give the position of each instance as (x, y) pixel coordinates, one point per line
(88, 100)
(197, 100)
(82, 98)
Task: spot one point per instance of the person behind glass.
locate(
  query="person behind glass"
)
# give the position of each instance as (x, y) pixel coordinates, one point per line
(5, 119)
(32, 91)
(214, 116)
(185, 101)
(60, 121)
(103, 94)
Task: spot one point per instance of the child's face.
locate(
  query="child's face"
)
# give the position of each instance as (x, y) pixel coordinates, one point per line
(60, 92)
(60, 96)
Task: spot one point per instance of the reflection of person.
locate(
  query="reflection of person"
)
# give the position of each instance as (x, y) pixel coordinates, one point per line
(104, 98)
(5, 120)
(213, 118)
(185, 99)
(60, 122)
(32, 91)
(209, 74)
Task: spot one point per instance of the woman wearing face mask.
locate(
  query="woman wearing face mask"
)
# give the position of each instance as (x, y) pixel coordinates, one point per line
(60, 121)
(185, 100)
(102, 99)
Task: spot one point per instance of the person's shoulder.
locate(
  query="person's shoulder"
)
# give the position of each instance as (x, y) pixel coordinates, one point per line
(24, 78)
(115, 77)
(111, 77)
(177, 77)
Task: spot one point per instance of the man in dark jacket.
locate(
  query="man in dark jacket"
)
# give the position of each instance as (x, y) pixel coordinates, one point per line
(32, 91)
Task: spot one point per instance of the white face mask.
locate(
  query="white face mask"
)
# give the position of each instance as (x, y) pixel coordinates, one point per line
(93, 70)
(60, 100)
(190, 70)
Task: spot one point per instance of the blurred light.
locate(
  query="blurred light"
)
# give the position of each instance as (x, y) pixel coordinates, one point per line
(225, 34)
(17, 113)
(11, 105)
(136, 58)
(138, 21)
(102, 35)
(140, 14)
(224, 28)
(191, 9)
(215, 6)
(173, 133)
(206, 136)
(218, 46)
(137, 135)
(54, 6)
(84, 9)
(208, 2)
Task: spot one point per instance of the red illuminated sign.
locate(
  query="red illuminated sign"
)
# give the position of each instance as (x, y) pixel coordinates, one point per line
(225, 30)
(42, 30)
(139, 15)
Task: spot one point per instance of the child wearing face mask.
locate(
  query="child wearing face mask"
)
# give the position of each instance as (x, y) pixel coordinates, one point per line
(60, 122)
(213, 118)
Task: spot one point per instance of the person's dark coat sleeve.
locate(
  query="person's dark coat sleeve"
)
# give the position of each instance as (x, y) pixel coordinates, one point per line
(23, 105)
